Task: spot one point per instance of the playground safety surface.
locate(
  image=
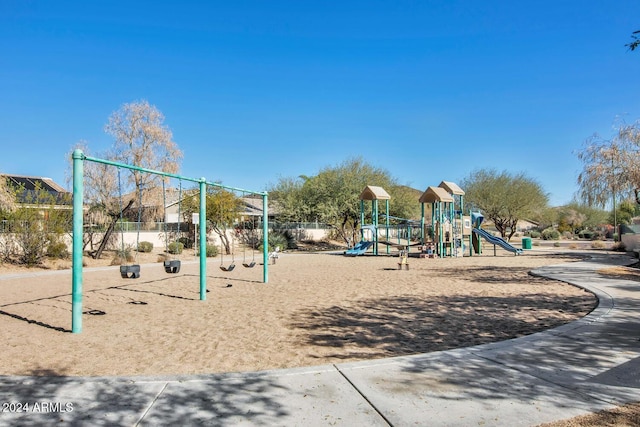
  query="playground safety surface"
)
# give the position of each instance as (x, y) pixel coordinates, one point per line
(581, 367)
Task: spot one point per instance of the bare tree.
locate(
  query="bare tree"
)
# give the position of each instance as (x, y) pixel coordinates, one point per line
(629, 136)
(142, 139)
(603, 174)
(611, 167)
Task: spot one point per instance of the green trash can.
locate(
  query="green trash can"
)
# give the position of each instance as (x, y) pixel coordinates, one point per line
(526, 243)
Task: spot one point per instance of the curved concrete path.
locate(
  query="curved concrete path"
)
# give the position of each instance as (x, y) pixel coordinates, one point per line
(585, 366)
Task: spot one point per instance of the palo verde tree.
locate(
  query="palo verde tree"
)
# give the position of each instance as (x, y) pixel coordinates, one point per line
(577, 216)
(504, 198)
(223, 211)
(7, 196)
(140, 138)
(332, 196)
(625, 211)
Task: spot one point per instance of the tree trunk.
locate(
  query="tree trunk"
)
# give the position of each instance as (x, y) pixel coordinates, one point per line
(512, 227)
(114, 219)
(225, 243)
(500, 226)
(224, 240)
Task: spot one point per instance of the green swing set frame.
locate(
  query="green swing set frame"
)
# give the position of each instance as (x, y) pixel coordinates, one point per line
(79, 158)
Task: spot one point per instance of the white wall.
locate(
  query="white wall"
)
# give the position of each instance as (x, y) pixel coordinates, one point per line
(631, 241)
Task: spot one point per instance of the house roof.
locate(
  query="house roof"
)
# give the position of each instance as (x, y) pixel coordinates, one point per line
(372, 192)
(252, 206)
(32, 182)
(27, 185)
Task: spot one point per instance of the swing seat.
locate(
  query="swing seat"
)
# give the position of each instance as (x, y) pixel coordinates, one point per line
(406, 265)
(172, 266)
(130, 271)
(230, 268)
(249, 264)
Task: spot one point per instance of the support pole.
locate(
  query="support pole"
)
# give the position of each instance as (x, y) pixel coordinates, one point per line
(76, 287)
(265, 239)
(203, 239)
(387, 226)
(422, 224)
(361, 221)
(374, 215)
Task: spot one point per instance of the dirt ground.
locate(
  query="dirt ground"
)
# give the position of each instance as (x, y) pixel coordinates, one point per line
(316, 308)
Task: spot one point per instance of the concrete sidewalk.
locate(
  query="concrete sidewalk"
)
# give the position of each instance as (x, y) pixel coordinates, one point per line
(585, 366)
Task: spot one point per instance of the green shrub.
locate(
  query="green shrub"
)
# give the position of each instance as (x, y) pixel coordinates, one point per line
(276, 239)
(145, 247)
(534, 234)
(586, 234)
(186, 242)
(122, 255)
(175, 248)
(212, 251)
(58, 250)
(556, 244)
(550, 234)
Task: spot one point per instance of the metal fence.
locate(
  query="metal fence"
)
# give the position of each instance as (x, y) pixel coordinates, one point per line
(298, 225)
(9, 226)
(13, 226)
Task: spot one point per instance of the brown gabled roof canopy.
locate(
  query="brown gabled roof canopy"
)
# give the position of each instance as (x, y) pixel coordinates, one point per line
(452, 188)
(436, 194)
(372, 192)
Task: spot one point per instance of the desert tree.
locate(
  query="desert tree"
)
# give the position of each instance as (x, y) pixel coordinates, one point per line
(332, 196)
(625, 211)
(223, 212)
(504, 198)
(629, 138)
(577, 216)
(611, 167)
(142, 139)
(36, 226)
(603, 172)
(7, 196)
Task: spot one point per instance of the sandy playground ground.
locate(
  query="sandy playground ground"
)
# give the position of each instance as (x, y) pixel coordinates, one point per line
(316, 309)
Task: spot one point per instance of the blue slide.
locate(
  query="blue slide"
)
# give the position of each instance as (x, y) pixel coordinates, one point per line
(358, 249)
(497, 241)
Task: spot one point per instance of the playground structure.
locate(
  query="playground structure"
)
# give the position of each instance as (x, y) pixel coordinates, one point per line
(478, 232)
(450, 229)
(133, 271)
(450, 232)
(399, 234)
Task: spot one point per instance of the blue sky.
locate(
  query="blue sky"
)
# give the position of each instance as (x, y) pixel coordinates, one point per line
(258, 90)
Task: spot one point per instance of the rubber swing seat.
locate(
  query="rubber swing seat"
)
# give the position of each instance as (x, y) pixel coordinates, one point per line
(130, 271)
(172, 266)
